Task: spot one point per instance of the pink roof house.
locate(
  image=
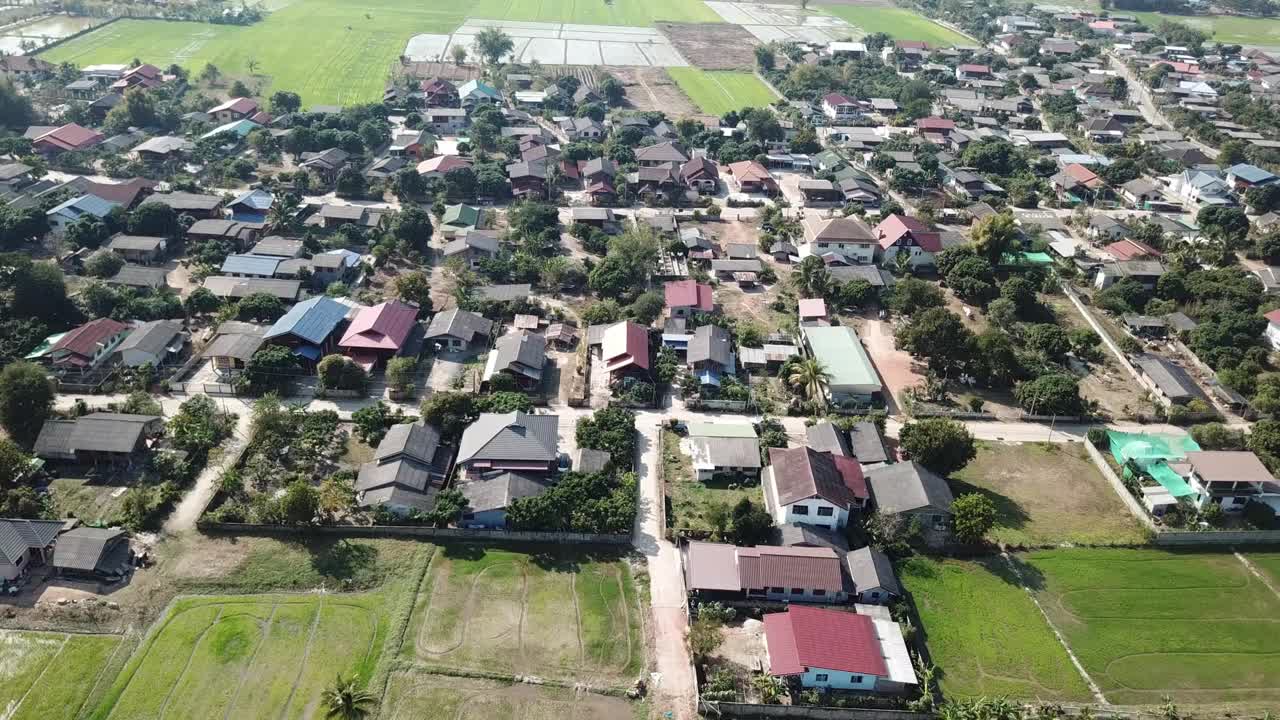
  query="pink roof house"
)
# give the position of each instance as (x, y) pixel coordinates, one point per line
(625, 346)
(686, 297)
(378, 333)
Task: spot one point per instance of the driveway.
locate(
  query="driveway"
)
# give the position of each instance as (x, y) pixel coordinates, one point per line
(445, 368)
(896, 367)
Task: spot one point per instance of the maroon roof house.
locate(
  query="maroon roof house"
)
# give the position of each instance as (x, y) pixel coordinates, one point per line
(686, 297)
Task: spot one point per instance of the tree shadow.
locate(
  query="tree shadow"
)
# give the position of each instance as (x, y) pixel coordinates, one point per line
(1014, 571)
(1009, 513)
(463, 551)
(343, 559)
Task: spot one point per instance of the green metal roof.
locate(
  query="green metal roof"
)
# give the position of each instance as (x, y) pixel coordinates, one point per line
(722, 430)
(837, 347)
(460, 215)
(43, 348)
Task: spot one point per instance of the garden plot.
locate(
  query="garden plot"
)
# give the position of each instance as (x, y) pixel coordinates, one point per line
(572, 618)
(557, 44)
(1198, 627)
(247, 656)
(771, 23)
(45, 675)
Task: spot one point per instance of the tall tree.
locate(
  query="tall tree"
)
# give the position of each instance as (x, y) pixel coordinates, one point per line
(809, 376)
(26, 395)
(492, 43)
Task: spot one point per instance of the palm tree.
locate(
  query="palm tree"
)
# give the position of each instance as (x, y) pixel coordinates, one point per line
(344, 700)
(812, 277)
(808, 377)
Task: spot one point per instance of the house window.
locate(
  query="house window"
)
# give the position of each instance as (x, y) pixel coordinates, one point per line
(820, 677)
(855, 679)
(800, 509)
(825, 511)
(777, 590)
(875, 595)
(937, 519)
(797, 591)
(819, 593)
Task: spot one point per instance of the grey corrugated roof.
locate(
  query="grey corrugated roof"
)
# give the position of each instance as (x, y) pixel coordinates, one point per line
(866, 444)
(418, 441)
(140, 276)
(870, 568)
(54, 440)
(263, 265)
(589, 460)
(908, 486)
(826, 437)
(460, 324)
(1173, 380)
(809, 536)
(522, 352)
(396, 495)
(238, 345)
(143, 243)
(725, 452)
(406, 474)
(711, 343)
(478, 239)
(19, 535)
(511, 436)
(505, 293)
(84, 547)
(152, 337)
(497, 492)
(277, 246)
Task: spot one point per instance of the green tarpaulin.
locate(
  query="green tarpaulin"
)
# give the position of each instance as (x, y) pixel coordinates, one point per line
(1151, 453)
(1026, 258)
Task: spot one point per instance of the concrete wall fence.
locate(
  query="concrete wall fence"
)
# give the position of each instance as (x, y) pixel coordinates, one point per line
(445, 534)
(752, 711)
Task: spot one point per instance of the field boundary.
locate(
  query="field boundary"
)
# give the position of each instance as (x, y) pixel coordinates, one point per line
(422, 531)
(1093, 687)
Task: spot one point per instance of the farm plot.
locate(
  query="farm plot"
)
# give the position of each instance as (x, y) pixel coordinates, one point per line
(44, 675)
(594, 12)
(247, 656)
(716, 93)
(1047, 494)
(985, 634)
(561, 617)
(1228, 29)
(1198, 627)
(713, 46)
(414, 696)
(900, 24)
(328, 51)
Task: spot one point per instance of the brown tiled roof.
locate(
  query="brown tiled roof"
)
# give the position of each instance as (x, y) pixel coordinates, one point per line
(1229, 466)
(804, 472)
(790, 567)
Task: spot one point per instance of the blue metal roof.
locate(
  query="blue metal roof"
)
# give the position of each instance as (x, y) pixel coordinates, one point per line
(260, 265)
(310, 352)
(1250, 173)
(259, 200)
(312, 320)
(84, 205)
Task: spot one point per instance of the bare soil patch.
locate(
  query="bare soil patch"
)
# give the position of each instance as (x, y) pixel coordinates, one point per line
(447, 70)
(650, 88)
(713, 46)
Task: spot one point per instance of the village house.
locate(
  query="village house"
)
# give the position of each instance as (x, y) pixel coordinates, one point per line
(834, 650)
(853, 379)
(234, 346)
(700, 174)
(458, 330)
(458, 218)
(522, 356)
(839, 108)
(196, 205)
(846, 239)
(86, 347)
(489, 497)
(911, 490)
(723, 448)
(155, 343)
(803, 486)
(624, 349)
(407, 472)
(233, 110)
(514, 442)
(716, 571)
(710, 355)
(62, 215)
(687, 297)
(899, 234)
(379, 332)
(65, 138)
(1230, 479)
(667, 153)
(752, 177)
(309, 328)
(97, 438)
(138, 249)
(25, 544)
(472, 247)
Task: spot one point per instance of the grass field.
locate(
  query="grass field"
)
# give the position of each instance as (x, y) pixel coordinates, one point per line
(1198, 627)
(1229, 29)
(1047, 494)
(413, 696)
(718, 92)
(566, 617)
(985, 633)
(45, 675)
(247, 656)
(898, 23)
(1268, 563)
(335, 52)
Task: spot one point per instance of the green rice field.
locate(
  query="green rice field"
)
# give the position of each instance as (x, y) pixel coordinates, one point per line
(900, 24)
(716, 92)
(1198, 627)
(335, 52)
(985, 634)
(47, 675)
(1229, 29)
(247, 656)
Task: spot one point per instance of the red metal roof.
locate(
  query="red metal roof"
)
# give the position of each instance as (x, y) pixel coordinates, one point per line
(240, 106)
(86, 339)
(1083, 175)
(1131, 250)
(834, 99)
(851, 472)
(813, 308)
(968, 68)
(442, 164)
(688, 293)
(894, 228)
(382, 327)
(625, 344)
(935, 123)
(71, 137)
(805, 637)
